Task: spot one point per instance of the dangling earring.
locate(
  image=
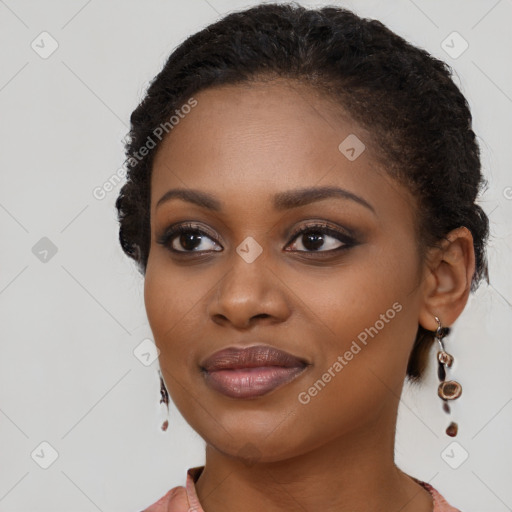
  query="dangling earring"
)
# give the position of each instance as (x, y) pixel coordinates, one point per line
(448, 389)
(164, 399)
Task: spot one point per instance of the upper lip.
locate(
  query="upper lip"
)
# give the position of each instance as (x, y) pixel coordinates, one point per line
(233, 358)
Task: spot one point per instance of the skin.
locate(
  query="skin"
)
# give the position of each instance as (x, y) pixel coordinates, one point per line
(242, 145)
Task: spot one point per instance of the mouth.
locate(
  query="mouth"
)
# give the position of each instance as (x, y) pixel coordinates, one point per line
(250, 372)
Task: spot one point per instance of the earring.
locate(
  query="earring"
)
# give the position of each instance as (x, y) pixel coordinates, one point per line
(448, 389)
(164, 399)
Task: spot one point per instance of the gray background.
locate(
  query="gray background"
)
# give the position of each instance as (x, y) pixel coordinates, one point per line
(70, 321)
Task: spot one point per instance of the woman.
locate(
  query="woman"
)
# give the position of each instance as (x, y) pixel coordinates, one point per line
(301, 201)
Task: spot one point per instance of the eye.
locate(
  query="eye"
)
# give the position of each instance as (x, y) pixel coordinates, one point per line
(189, 237)
(314, 237)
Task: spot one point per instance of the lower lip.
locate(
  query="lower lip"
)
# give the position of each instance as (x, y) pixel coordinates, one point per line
(250, 382)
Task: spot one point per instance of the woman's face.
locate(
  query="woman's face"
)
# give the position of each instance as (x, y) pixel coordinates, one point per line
(345, 304)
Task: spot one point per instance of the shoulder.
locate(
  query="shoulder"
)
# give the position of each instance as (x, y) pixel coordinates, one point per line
(440, 503)
(180, 499)
(174, 500)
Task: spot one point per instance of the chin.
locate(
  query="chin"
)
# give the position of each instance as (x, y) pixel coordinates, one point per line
(252, 444)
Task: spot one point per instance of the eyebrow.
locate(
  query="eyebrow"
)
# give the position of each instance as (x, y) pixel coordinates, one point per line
(281, 201)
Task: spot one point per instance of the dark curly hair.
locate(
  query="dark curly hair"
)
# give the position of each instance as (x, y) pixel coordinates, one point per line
(419, 120)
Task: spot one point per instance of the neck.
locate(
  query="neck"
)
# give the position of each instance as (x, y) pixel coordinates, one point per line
(353, 472)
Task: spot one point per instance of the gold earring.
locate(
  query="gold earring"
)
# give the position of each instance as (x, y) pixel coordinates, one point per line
(448, 389)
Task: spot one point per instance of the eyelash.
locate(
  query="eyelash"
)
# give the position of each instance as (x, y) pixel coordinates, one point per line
(323, 228)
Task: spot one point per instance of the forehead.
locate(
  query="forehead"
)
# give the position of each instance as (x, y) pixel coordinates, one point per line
(257, 140)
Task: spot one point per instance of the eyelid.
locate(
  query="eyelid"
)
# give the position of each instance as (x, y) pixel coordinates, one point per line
(189, 225)
(346, 236)
(335, 231)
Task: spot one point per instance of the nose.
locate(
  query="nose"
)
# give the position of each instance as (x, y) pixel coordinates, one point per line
(249, 293)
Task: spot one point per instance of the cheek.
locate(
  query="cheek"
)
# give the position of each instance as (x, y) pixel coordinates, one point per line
(157, 298)
(166, 303)
(171, 320)
(353, 297)
(169, 296)
(361, 367)
(175, 304)
(367, 312)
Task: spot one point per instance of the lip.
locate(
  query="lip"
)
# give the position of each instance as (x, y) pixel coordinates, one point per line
(252, 371)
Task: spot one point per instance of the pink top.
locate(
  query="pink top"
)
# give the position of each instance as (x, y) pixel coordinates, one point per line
(184, 499)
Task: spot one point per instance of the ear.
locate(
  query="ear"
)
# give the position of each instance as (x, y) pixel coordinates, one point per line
(447, 280)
